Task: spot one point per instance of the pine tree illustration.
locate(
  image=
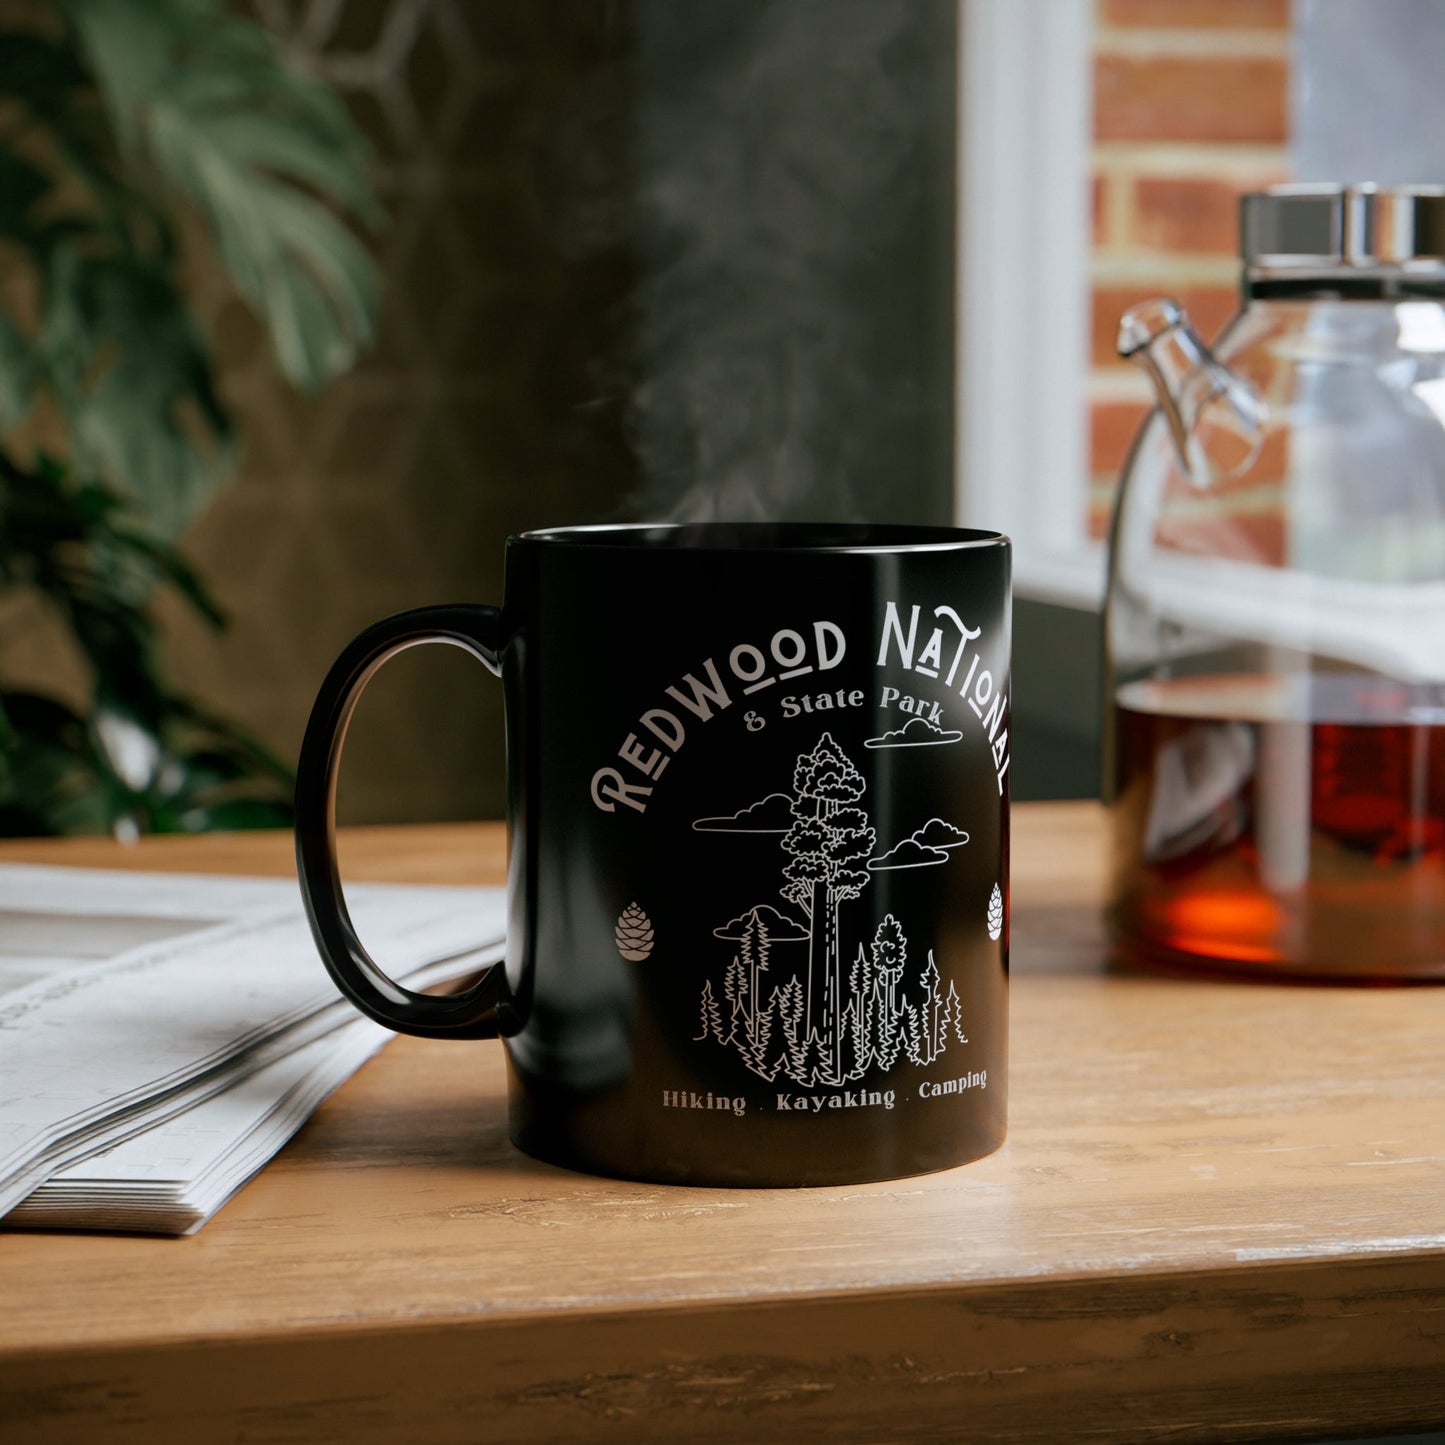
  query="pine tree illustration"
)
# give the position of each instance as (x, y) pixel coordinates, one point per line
(931, 1038)
(852, 1055)
(887, 1034)
(754, 958)
(735, 993)
(954, 1012)
(790, 1004)
(813, 1062)
(773, 1059)
(795, 1065)
(711, 1017)
(634, 933)
(862, 984)
(860, 978)
(787, 1005)
(995, 913)
(756, 1045)
(912, 1034)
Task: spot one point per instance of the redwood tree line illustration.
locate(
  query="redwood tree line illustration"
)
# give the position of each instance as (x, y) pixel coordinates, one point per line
(816, 1030)
(830, 842)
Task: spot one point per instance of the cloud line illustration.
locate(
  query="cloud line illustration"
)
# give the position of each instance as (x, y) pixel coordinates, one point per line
(773, 814)
(917, 732)
(908, 854)
(926, 847)
(935, 833)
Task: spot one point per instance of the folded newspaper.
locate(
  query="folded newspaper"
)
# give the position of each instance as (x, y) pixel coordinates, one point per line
(162, 1035)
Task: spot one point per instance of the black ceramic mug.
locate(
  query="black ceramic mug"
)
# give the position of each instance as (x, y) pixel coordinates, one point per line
(758, 869)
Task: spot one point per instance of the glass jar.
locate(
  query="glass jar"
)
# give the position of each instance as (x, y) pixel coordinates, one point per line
(1275, 619)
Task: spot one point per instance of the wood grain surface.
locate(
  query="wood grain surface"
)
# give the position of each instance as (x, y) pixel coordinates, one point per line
(1220, 1215)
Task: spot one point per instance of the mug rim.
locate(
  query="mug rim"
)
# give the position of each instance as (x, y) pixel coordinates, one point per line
(783, 537)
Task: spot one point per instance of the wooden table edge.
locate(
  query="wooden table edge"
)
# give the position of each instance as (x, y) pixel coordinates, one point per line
(1027, 1353)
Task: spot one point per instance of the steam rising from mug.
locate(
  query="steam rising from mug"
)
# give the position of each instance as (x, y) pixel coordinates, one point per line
(786, 348)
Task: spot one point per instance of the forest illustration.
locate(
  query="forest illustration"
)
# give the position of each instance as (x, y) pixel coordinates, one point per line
(794, 1001)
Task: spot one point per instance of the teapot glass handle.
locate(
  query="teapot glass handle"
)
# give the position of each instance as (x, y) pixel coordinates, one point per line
(1217, 419)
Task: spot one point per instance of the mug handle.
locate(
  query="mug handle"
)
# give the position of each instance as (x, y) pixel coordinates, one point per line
(472, 1014)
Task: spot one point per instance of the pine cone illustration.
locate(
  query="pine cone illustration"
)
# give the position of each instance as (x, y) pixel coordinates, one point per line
(995, 912)
(634, 933)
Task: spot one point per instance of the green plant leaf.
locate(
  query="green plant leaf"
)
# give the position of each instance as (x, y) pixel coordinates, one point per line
(112, 119)
(129, 45)
(134, 379)
(173, 568)
(205, 99)
(17, 375)
(47, 81)
(109, 772)
(50, 783)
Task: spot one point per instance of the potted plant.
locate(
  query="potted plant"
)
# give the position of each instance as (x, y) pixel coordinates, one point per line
(121, 121)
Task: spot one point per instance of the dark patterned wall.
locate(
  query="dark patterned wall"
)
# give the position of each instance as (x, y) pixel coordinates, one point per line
(480, 414)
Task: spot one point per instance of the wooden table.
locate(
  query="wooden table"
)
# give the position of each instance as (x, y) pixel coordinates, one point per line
(1220, 1215)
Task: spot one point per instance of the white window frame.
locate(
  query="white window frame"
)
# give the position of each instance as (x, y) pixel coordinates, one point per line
(1025, 127)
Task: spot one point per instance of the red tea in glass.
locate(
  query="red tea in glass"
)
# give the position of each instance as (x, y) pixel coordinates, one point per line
(1281, 826)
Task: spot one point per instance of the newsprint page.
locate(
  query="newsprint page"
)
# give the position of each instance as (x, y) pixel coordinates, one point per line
(162, 1035)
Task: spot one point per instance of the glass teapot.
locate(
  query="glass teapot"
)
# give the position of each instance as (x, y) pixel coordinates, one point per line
(1275, 621)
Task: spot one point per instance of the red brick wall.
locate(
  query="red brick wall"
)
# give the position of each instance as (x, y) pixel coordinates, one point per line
(1190, 110)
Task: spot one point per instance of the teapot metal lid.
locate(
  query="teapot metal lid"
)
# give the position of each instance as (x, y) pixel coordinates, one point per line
(1349, 229)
